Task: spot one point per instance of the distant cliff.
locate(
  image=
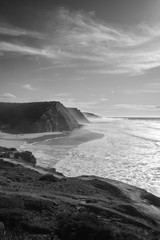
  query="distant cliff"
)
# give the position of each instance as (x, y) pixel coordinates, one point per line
(91, 115)
(78, 115)
(35, 117)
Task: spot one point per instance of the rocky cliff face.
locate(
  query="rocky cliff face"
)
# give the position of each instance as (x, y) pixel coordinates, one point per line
(35, 117)
(78, 115)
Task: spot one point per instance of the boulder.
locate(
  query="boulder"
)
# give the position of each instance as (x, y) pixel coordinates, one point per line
(4, 155)
(13, 153)
(28, 157)
(49, 177)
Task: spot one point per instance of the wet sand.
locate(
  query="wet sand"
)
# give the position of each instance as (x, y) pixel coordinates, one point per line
(17, 140)
(76, 137)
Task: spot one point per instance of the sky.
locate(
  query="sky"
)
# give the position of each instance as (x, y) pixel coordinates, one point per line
(101, 56)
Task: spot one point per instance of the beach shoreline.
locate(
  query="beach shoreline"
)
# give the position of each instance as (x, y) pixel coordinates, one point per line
(75, 137)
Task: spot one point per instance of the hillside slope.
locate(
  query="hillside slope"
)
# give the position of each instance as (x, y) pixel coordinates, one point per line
(78, 115)
(51, 206)
(35, 117)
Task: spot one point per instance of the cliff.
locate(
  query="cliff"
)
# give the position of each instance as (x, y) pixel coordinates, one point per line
(78, 115)
(50, 206)
(91, 115)
(35, 117)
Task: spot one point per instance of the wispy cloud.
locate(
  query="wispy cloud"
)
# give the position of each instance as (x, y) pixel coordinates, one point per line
(23, 49)
(83, 36)
(9, 30)
(28, 87)
(19, 49)
(103, 99)
(7, 95)
(147, 88)
(61, 95)
(78, 39)
(135, 107)
(138, 91)
(153, 85)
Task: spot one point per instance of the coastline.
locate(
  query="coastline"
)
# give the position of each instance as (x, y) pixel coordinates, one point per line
(43, 207)
(75, 137)
(38, 198)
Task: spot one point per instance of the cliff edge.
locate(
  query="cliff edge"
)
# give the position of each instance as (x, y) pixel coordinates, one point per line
(48, 206)
(35, 117)
(78, 115)
(91, 115)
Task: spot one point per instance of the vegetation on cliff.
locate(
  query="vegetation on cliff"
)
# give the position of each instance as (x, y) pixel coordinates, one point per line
(35, 117)
(51, 206)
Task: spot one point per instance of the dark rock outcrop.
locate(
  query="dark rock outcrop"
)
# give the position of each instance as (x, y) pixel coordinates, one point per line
(78, 115)
(91, 115)
(26, 156)
(35, 117)
(13, 153)
(49, 178)
(85, 207)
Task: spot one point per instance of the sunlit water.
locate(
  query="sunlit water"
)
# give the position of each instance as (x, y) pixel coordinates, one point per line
(129, 152)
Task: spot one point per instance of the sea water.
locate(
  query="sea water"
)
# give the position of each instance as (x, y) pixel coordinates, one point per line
(128, 152)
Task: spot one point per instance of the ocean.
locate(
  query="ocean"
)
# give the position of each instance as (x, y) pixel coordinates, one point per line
(128, 151)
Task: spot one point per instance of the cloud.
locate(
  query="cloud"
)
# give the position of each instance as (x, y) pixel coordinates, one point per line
(79, 39)
(140, 91)
(7, 95)
(9, 30)
(118, 51)
(23, 49)
(135, 107)
(73, 102)
(61, 95)
(153, 85)
(147, 88)
(28, 87)
(103, 99)
(19, 49)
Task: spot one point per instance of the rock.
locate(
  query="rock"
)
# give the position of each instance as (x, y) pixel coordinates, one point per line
(12, 149)
(13, 153)
(36, 228)
(4, 155)
(35, 117)
(153, 200)
(49, 177)
(84, 226)
(91, 201)
(39, 205)
(6, 164)
(27, 157)
(78, 115)
(1, 229)
(3, 149)
(87, 208)
(10, 202)
(53, 170)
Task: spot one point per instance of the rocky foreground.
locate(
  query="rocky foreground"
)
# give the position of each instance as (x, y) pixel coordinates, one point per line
(51, 206)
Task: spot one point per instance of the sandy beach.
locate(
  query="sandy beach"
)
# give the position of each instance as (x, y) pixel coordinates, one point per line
(17, 140)
(75, 137)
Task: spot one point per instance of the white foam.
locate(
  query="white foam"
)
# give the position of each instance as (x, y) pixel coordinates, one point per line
(118, 155)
